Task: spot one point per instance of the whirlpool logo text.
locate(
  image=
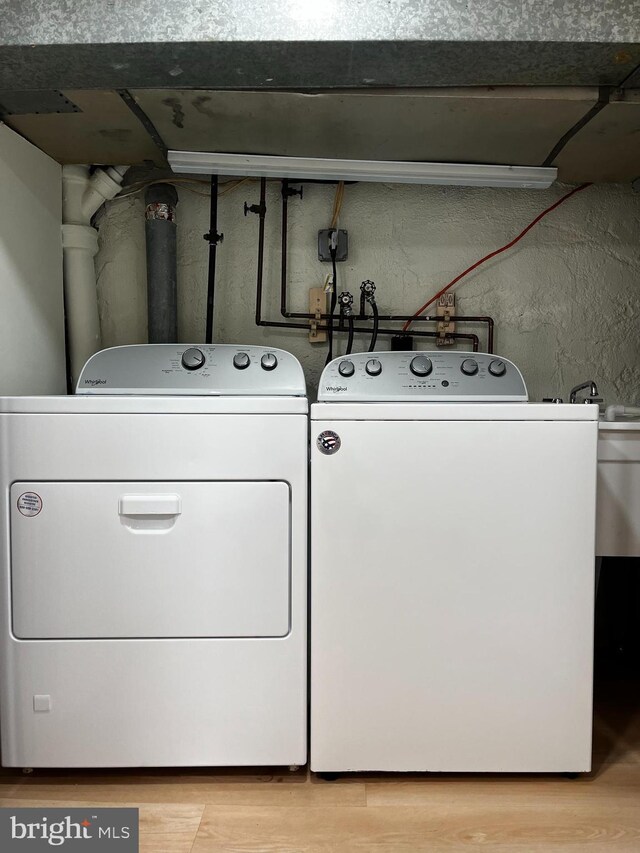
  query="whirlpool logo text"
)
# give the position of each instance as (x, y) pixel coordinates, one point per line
(72, 829)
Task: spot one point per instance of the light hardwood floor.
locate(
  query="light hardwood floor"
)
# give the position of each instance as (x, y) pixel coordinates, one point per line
(257, 812)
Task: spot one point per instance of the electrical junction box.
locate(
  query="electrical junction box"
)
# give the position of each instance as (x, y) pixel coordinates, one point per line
(324, 238)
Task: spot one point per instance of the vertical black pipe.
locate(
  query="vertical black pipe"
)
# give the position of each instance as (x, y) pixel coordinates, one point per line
(262, 212)
(160, 232)
(214, 238)
(283, 248)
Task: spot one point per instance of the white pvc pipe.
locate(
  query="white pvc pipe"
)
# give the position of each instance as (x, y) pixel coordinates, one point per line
(80, 245)
(82, 196)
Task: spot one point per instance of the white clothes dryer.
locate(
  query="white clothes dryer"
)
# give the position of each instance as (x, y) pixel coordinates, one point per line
(154, 561)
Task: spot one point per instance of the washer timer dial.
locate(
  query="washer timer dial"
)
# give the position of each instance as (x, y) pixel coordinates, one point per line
(193, 359)
(421, 365)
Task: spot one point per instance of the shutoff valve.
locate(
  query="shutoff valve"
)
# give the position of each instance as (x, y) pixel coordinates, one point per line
(368, 290)
(345, 301)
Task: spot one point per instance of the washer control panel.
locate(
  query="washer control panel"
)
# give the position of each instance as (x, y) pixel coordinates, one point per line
(440, 376)
(197, 369)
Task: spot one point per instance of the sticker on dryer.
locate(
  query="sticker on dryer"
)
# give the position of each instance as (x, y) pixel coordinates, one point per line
(29, 504)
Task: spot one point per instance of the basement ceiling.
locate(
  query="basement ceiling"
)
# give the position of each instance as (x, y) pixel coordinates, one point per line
(512, 125)
(523, 82)
(313, 44)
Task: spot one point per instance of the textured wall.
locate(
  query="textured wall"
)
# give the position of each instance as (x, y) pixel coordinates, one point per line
(566, 300)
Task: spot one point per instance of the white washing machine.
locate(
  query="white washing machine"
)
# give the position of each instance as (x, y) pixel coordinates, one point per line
(154, 561)
(452, 569)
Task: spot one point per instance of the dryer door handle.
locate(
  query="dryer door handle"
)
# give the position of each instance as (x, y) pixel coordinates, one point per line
(150, 505)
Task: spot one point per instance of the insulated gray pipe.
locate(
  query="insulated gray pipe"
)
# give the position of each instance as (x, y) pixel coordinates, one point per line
(160, 230)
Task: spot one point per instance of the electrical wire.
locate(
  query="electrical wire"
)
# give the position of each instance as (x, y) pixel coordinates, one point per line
(139, 186)
(496, 252)
(335, 213)
(337, 204)
(233, 185)
(229, 186)
(350, 336)
(334, 297)
(374, 333)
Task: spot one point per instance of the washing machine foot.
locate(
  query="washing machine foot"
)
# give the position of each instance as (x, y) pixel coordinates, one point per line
(571, 775)
(328, 777)
(293, 768)
(27, 770)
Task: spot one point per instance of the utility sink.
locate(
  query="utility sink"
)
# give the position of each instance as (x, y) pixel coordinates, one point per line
(618, 511)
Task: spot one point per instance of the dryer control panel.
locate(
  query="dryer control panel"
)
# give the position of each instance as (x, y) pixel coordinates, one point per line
(196, 369)
(417, 376)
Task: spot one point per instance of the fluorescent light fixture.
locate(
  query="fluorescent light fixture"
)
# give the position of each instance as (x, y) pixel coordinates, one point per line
(388, 171)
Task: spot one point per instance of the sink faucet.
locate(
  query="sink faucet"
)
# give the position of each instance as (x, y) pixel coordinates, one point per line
(593, 397)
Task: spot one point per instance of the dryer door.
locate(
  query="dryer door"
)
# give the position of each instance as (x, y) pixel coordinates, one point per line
(149, 559)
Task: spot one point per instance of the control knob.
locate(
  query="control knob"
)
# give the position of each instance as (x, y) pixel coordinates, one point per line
(421, 365)
(469, 367)
(497, 367)
(346, 368)
(269, 361)
(241, 360)
(374, 367)
(192, 358)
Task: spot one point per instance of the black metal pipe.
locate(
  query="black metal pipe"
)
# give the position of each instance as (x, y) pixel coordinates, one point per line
(275, 324)
(387, 318)
(262, 212)
(470, 318)
(160, 234)
(214, 238)
(283, 247)
(458, 336)
(400, 318)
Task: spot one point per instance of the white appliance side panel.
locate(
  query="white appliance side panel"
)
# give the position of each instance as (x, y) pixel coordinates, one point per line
(143, 559)
(156, 703)
(618, 516)
(452, 592)
(32, 357)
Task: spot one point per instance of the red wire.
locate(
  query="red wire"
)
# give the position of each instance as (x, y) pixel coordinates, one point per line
(496, 252)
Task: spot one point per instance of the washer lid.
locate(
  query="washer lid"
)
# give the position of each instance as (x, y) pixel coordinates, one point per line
(192, 369)
(422, 377)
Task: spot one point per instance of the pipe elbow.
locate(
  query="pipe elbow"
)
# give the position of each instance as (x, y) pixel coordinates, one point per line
(103, 186)
(83, 195)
